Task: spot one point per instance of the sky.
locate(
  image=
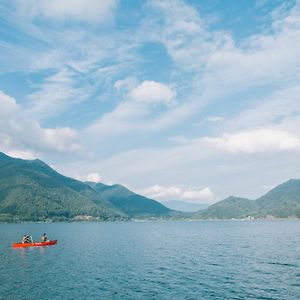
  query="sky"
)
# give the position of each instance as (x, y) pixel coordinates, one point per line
(190, 100)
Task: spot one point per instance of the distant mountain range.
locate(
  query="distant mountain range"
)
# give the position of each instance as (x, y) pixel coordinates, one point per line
(184, 206)
(281, 202)
(130, 203)
(30, 190)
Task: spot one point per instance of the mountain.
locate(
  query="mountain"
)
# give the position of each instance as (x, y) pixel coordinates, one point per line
(31, 190)
(184, 206)
(130, 203)
(281, 202)
(231, 207)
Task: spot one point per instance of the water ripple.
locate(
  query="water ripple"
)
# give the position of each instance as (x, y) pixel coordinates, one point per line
(170, 260)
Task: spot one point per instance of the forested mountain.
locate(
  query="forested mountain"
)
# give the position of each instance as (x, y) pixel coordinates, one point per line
(130, 203)
(31, 190)
(281, 202)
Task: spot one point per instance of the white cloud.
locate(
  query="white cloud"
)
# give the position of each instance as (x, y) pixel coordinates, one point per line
(160, 192)
(256, 141)
(183, 33)
(134, 112)
(280, 106)
(8, 105)
(123, 118)
(61, 139)
(164, 193)
(21, 154)
(58, 93)
(21, 132)
(94, 177)
(194, 195)
(152, 92)
(128, 83)
(259, 60)
(90, 11)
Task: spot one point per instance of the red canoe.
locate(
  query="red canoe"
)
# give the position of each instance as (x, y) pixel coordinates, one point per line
(35, 244)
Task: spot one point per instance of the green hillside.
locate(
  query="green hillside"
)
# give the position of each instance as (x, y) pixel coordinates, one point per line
(231, 207)
(31, 190)
(281, 202)
(130, 203)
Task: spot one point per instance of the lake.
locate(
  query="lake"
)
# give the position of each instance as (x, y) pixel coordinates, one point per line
(153, 260)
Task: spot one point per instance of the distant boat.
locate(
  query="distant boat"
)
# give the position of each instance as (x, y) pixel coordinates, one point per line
(34, 244)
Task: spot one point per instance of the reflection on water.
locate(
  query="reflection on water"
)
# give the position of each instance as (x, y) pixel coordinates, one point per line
(179, 260)
(25, 251)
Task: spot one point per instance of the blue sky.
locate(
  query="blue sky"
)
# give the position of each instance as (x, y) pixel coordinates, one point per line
(186, 100)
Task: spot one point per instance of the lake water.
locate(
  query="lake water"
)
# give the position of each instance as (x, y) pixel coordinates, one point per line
(155, 260)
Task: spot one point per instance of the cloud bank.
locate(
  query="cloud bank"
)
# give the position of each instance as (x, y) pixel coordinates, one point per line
(163, 193)
(256, 141)
(91, 11)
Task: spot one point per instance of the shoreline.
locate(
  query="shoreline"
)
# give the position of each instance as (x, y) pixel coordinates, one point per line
(155, 221)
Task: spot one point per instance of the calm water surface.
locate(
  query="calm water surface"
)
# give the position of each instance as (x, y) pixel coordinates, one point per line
(171, 260)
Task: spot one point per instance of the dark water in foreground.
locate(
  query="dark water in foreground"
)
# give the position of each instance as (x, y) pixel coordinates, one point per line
(171, 260)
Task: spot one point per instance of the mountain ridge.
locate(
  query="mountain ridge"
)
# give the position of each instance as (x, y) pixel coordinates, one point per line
(283, 201)
(32, 190)
(129, 202)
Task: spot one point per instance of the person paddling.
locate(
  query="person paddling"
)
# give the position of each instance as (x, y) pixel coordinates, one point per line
(27, 239)
(24, 239)
(44, 238)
